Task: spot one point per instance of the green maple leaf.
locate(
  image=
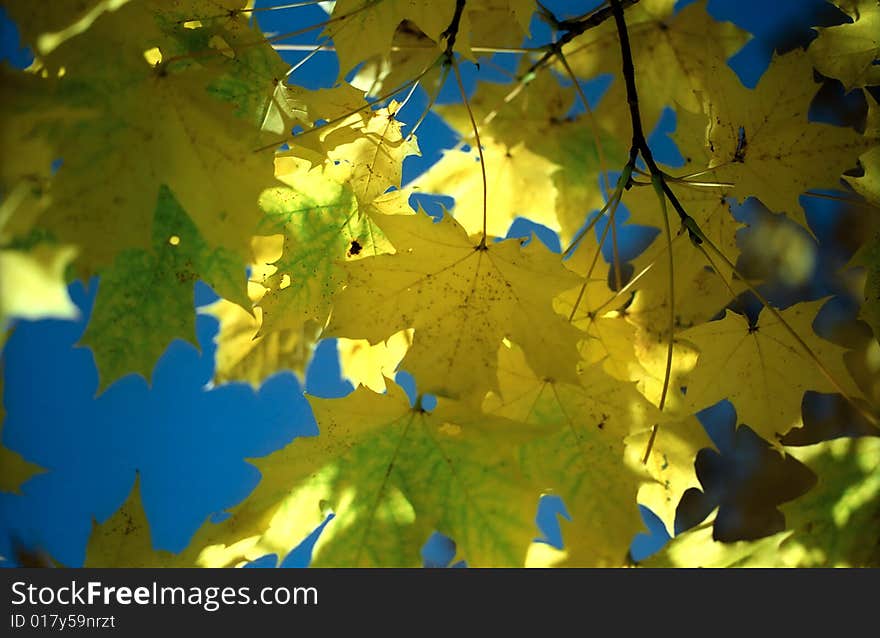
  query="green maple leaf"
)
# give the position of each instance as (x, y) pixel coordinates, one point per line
(580, 457)
(145, 298)
(391, 474)
(190, 123)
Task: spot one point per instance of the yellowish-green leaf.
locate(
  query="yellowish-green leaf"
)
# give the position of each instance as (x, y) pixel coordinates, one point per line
(145, 299)
(124, 539)
(319, 220)
(581, 455)
(245, 355)
(364, 29)
(391, 474)
(848, 52)
(411, 54)
(868, 256)
(519, 183)
(700, 291)
(670, 464)
(372, 152)
(762, 370)
(45, 25)
(462, 298)
(761, 142)
(540, 164)
(673, 55)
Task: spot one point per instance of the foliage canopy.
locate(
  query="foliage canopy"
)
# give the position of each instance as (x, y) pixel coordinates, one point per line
(157, 143)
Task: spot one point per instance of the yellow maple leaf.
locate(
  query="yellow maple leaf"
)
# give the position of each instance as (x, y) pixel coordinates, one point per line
(373, 152)
(365, 29)
(673, 53)
(462, 297)
(761, 143)
(519, 183)
(321, 224)
(702, 287)
(849, 52)
(670, 464)
(762, 370)
(540, 163)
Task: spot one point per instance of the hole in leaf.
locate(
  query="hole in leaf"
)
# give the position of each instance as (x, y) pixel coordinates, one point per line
(153, 56)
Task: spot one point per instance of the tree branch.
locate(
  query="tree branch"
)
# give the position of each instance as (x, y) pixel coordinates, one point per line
(451, 32)
(571, 29)
(639, 141)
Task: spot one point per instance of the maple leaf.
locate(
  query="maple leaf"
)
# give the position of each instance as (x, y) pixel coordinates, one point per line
(391, 474)
(825, 528)
(670, 464)
(462, 298)
(15, 470)
(849, 52)
(46, 25)
(243, 354)
(519, 183)
(373, 153)
(319, 220)
(675, 53)
(580, 457)
(761, 141)
(145, 298)
(700, 292)
(761, 369)
(412, 52)
(364, 29)
(124, 539)
(868, 255)
(535, 155)
(26, 169)
(189, 122)
(868, 185)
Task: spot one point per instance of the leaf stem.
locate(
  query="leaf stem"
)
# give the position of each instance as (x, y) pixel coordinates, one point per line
(479, 146)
